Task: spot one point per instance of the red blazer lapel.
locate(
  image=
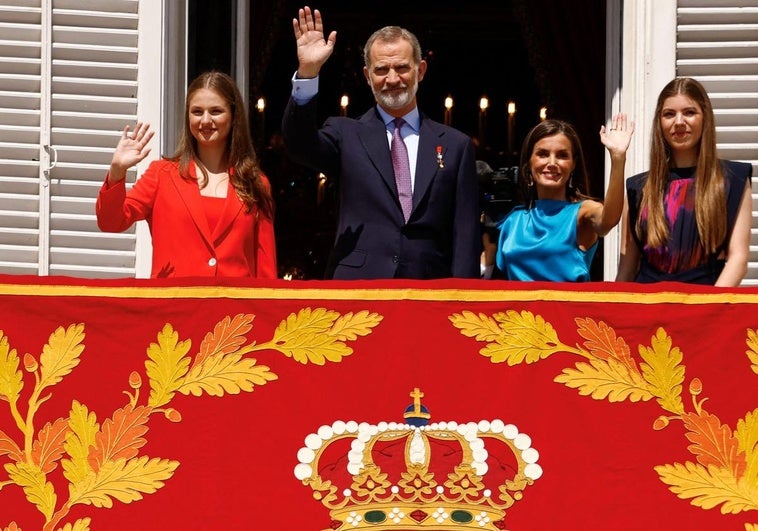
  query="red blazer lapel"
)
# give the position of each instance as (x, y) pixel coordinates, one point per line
(232, 208)
(189, 194)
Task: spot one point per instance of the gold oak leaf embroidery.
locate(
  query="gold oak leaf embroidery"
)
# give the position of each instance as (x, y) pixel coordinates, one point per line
(32, 480)
(747, 437)
(726, 471)
(220, 366)
(123, 479)
(319, 335)
(663, 371)
(83, 428)
(712, 442)
(167, 365)
(120, 436)
(48, 448)
(80, 525)
(752, 353)
(11, 378)
(101, 461)
(511, 337)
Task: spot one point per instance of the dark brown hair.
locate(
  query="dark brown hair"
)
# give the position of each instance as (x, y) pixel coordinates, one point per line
(578, 185)
(391, 34)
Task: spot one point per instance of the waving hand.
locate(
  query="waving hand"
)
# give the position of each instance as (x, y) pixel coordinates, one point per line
(312, 49)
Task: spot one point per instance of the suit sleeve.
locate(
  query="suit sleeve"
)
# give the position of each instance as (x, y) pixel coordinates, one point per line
(307, 144)
(467, 238)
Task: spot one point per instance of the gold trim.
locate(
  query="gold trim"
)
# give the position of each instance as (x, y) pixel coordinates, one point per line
(376, 294)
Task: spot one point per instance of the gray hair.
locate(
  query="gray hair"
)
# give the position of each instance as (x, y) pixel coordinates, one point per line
(392, 34)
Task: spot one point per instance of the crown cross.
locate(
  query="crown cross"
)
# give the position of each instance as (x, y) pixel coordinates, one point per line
(416, 414)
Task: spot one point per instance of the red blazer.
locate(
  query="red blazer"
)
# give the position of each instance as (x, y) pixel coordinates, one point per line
(241, 245)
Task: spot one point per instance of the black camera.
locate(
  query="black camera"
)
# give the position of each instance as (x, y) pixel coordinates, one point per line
(499, 194)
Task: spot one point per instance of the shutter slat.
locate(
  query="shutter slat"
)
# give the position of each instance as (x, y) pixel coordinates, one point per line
(93, 55)
(717, 45)
(20, 79)
(94, 67)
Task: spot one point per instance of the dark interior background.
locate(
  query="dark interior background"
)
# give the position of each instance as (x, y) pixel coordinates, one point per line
(534, 52)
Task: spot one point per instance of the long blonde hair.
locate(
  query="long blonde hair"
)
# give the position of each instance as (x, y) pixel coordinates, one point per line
(710, 195)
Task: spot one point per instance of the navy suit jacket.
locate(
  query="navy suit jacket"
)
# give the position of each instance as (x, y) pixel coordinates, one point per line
(442, 237)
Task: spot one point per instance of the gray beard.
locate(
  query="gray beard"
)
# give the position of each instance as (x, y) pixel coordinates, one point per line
(396, 101)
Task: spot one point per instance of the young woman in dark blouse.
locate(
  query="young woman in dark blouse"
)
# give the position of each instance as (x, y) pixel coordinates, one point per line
(688, 217)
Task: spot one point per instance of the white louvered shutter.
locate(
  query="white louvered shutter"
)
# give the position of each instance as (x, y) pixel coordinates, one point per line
(68, 85)
(20, 116)
(717, 43)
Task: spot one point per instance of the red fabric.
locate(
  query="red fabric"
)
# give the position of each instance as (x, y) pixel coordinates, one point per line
(601, 458)
(240, 245)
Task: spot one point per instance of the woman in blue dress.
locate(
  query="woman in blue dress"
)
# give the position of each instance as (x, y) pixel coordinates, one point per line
(688, 217)
(554, 235)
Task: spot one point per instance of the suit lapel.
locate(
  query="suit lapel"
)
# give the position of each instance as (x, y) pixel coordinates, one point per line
(426, 159)
(374, 139)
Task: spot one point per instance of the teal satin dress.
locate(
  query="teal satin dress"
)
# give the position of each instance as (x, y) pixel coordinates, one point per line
(540, 244)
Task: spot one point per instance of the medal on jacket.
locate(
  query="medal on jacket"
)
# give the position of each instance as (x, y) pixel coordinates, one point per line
(440, 162)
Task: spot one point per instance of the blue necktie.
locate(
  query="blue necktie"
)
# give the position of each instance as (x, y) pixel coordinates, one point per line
(402, 169)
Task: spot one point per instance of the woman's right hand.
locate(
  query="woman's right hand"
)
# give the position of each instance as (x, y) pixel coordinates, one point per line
(131, 149)
(618, 137)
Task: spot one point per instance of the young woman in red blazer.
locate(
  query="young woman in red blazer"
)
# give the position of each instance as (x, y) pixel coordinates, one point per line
(209, 207)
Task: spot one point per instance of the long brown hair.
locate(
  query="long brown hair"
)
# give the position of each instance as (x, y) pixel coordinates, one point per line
(710, 196)
(246, 175)
(578, 185)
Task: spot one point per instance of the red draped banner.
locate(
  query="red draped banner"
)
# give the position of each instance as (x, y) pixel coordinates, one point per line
(387, 405)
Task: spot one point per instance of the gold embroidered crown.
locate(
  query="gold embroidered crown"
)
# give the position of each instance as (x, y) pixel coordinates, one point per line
(416, 475)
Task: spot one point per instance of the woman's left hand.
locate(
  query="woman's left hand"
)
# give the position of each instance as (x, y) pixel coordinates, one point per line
(618, 137)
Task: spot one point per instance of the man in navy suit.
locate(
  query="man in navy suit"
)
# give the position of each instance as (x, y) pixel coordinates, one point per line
(441, 236)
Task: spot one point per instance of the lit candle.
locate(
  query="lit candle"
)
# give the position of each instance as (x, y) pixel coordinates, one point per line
(543, 113)
(344, 101)
(483, 104)
(321, 188)
(448, 110)
(511, 126)
(261, 106)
